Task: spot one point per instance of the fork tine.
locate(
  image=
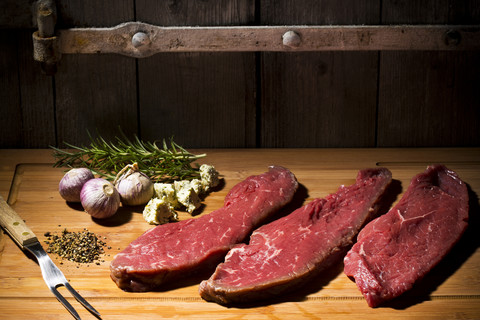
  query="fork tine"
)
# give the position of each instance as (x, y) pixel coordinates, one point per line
(81, 299)
(54, 278)
(65, 303)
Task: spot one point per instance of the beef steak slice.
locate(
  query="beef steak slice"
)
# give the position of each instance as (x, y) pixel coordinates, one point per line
(175, 250)
(400, 247)
(291, 250)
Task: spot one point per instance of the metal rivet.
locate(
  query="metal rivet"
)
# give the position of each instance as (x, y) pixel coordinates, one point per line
(140, 39)
(452, 38)
(291, 39)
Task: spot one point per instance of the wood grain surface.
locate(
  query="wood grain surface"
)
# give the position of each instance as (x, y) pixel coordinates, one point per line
(432, 114)
(27, 178)
(318, 99)
(219, 100)
(202, 99)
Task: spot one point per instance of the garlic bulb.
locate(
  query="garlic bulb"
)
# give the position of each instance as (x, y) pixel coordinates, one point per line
(72, 182)
(135, 187)
(99, 198)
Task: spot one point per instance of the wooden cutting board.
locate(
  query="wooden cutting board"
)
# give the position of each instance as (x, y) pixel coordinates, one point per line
(450, 291)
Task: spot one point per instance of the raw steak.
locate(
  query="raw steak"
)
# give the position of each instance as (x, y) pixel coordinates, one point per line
(175, 250)
(400, 247)
(293, 249)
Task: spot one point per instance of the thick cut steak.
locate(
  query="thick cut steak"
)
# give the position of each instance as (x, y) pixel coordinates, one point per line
(400, 247)
(175, 250)
(291, 250)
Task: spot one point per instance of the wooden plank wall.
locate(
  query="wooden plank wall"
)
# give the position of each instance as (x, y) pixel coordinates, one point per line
(236, 100)
(429, 98)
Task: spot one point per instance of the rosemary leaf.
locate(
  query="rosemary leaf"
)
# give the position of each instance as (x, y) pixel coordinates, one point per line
(162, 164)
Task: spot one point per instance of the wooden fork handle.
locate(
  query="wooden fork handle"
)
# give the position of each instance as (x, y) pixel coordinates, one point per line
(15, 226)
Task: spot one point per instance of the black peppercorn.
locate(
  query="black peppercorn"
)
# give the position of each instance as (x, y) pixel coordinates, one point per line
(81, 247)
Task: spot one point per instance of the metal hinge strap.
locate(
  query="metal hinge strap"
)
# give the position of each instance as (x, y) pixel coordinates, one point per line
(137, 39)
(45, 43)
(140, 40)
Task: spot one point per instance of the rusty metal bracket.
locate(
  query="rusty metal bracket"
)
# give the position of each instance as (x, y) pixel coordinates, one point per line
(45, 44)
(140, 40)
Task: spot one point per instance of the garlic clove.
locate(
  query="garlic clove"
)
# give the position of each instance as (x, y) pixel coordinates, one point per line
(72, 182)
(135, 187)
(99, 198)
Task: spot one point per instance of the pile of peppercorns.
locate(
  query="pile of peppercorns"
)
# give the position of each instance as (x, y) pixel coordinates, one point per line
(81, 247)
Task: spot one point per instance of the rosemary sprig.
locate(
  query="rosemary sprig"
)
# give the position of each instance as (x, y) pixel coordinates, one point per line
(160, 163)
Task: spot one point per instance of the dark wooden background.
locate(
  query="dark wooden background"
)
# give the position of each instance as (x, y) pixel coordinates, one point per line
(237, 100)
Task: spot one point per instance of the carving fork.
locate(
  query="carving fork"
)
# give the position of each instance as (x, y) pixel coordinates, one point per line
(26, 239)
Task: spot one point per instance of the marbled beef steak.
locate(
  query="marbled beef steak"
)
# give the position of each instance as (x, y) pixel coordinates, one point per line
(293, 249)
(400, 247)
(175, 250)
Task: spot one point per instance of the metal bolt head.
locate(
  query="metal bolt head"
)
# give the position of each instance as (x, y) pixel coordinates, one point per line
(140, 39)
(291, 39)
(452, 38)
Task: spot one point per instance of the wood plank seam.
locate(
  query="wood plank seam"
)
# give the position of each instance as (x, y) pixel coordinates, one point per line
(199, 299)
